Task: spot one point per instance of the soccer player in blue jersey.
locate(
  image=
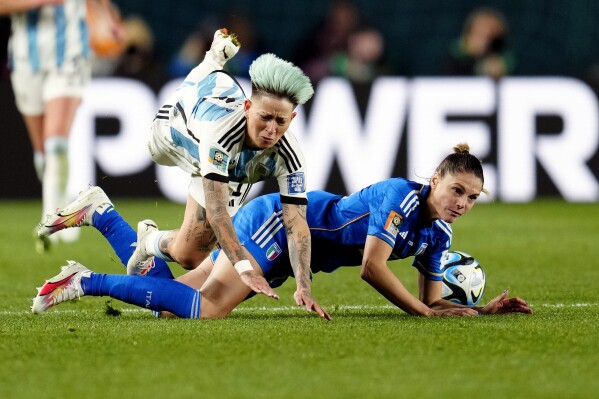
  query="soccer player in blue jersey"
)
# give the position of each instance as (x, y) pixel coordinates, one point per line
(49, 59)
(227, 142)
(392, 219)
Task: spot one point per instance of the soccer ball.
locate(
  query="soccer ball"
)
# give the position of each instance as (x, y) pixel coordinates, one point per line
(463, 279)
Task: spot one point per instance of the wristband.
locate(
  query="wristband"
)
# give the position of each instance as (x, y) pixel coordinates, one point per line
(243, 266)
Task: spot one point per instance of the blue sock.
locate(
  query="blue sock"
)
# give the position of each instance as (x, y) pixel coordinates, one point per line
(122, 238)
(152, 293)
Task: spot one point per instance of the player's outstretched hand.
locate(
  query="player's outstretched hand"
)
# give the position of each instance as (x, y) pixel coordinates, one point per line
(503, 304)
(258, 283)
(304, 298)
(459, 312)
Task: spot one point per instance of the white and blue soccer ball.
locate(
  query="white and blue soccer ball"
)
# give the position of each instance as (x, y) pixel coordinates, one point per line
(463, 279)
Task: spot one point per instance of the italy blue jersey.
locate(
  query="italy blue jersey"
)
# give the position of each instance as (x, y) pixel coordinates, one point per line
(390, 210)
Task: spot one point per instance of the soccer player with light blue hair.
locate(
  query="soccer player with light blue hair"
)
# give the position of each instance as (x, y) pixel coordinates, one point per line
(227, 142)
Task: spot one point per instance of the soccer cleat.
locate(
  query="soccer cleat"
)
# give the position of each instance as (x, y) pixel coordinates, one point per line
(77, 213)
(61, 288)
(141, 262)
(224, 46)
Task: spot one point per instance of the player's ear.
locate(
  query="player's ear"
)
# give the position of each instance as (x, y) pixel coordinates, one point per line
(434, 180)
(247, 104)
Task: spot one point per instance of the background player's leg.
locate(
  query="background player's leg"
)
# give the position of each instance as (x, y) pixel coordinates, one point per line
(35, 130)
(59, 115)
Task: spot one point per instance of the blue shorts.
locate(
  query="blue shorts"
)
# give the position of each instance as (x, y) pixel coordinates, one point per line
(259, 226)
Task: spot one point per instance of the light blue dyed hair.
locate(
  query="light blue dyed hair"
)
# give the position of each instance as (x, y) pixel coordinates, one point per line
(273, 75)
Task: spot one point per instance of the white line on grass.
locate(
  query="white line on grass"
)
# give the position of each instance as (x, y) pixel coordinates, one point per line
(288, 308)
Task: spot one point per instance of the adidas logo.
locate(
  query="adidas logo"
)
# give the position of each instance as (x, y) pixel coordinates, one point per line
(403, 234)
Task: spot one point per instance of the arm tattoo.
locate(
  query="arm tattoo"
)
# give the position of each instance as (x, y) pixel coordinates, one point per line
(299, 242)
(217, 197)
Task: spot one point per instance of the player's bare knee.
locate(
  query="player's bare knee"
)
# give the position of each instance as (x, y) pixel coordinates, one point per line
(190, 261)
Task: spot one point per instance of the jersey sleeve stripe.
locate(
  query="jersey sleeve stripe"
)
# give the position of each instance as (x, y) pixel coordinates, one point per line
(294, 200)
(285, 159)
(286, 155)
(163, 113)
(289, 150)
(410, 202)
(408, 197)
(233, 136)
(217, 177)
(389, 237)
(444, 226)
(234, 142)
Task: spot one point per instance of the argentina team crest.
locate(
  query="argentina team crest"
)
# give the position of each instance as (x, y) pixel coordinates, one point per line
(218, 158)
(273, 251)
(393, 223)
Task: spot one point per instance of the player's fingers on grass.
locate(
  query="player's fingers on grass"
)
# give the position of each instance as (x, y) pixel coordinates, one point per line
(523, 308)
(261, 289)
(271, 293)
(467, 312)
(323, 313)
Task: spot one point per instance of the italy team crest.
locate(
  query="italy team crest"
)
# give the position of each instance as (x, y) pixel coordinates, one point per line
(273, 251)
(421, 250)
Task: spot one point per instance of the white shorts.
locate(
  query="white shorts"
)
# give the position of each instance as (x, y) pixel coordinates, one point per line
(164, 152)
(33, 89)
(196, 191)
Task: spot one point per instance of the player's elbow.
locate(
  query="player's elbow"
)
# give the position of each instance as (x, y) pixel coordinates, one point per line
(367, 272)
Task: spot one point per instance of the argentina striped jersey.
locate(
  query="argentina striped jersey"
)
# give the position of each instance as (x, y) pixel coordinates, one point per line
(208, 122)
(45, 38)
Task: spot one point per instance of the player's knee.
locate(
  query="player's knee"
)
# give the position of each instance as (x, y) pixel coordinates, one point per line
(190, 261)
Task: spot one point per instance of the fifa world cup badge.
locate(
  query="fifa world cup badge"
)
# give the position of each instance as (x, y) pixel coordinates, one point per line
(393, 223)
(219, 159)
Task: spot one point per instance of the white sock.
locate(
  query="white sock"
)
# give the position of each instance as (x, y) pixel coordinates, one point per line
(153, 241)
(38, 163)
(153, 245)
(56, 171)
(56, 177)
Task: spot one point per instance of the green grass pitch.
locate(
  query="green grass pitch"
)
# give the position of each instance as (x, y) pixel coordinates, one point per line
(546, 252)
